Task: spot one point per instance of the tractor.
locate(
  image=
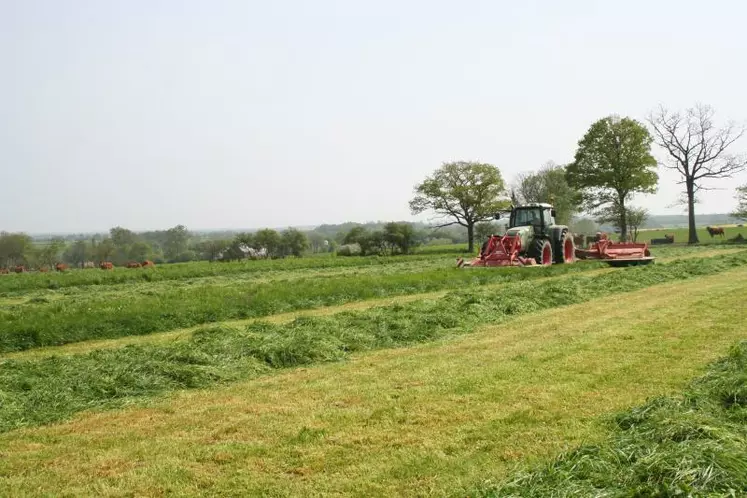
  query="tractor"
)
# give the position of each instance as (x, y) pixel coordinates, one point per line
(532, 239)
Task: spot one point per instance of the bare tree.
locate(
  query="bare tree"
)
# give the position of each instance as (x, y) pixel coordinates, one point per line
(697, 150)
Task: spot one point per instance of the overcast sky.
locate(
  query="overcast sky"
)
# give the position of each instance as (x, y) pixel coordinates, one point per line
(230, 114)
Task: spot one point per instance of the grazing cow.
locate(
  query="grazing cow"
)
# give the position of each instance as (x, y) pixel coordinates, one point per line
(4, 271)
(715, 231)
(133, 264)
(148, 264)
(668, 239)
(106, 265)
(60, 267)
(20, 269)
(89, 264)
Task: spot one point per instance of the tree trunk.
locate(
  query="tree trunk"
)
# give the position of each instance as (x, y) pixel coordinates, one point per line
(471, 237)
(623, 220)
(693, 233)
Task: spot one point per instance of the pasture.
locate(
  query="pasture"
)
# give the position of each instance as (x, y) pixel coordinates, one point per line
(681, 234)
(376, 376)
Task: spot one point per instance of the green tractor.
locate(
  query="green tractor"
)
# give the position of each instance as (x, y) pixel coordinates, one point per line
(532, 238)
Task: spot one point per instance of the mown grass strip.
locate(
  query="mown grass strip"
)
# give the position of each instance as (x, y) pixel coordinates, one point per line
(178, 271)
(31, 326)
(38, 392)
(692, 445)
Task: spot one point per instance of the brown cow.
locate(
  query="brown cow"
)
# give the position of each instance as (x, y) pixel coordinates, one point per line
(148, 264)
(60, 267)
(133, 264)
(20, 269)
(715, 231)
(106, 265)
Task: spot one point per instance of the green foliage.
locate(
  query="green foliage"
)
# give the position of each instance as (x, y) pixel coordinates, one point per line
(584, 226)
(14, 249)
(41, 391)
(175, 243)
(467, 192)
(270, 240)
(636, 218)
(613, 161)
(294, 242)
(550, 185)
(486, 229)
(50, 253)
(693, 445)
(741, 210)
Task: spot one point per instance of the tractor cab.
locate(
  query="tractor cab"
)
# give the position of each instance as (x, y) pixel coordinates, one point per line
(539, 216)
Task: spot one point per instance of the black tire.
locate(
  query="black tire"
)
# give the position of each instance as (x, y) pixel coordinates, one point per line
(539, 251)
(565, 249)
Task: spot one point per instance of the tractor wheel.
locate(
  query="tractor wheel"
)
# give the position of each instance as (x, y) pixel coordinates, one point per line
(541, 251)
(566, 249)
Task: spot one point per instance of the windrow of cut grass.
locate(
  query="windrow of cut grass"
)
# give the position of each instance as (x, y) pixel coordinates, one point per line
(178, 271)
(99, 316)
(692, 445)
(53, 388)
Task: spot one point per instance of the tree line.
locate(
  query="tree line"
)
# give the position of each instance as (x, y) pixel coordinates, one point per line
(613, 162)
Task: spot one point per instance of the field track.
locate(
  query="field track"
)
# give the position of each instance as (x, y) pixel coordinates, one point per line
(183, 333)
(427, 419)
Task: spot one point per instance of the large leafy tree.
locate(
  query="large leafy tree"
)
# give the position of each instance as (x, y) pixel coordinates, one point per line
(270, 240)
(294, 242)
(613, 161)
(466, 192)
(14, 248)
(697, 150)
(550, 185)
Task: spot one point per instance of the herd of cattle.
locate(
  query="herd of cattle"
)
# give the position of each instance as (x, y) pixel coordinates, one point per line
(61, 267)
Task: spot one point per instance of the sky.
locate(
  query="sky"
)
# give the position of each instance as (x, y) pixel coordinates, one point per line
(239, 114)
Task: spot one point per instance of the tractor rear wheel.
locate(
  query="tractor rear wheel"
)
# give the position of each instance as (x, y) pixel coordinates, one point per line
(541, 251)
(565, 249)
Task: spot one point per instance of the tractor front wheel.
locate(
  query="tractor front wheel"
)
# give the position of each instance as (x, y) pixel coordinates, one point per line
(566, 249)
(542, 252)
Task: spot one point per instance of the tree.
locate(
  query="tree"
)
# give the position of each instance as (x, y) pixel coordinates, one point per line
(636, 218)
(49, 254)
(78, 253)
(139, 251)
(549, 185)
(485, 229)
(269, 240)
(105, 249)
(400, 236)
(122, 237)
(696, 149)
(14, 248)
(467, 192)
(294, 242)
(741, 211)
(584, 225)
(613, 161)
(175, 243)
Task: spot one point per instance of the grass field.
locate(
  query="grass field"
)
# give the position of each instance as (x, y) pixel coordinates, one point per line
(681, 234)
(390, 376)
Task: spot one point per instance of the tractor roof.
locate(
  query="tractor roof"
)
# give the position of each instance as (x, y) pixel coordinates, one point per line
(535, 205)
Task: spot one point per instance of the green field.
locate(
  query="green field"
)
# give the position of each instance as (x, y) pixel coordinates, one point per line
(370, 376)
(681, 234)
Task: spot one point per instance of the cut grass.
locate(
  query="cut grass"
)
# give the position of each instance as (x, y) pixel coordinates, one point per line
(53, 388)
(426, 420)
(48, 324)
(692, 445)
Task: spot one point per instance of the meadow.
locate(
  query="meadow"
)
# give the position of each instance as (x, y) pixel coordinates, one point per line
(381, 376)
